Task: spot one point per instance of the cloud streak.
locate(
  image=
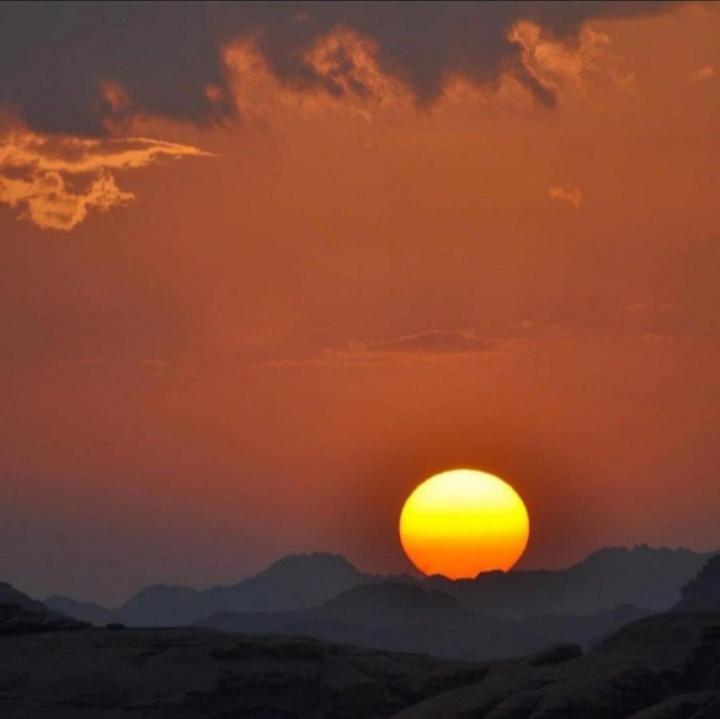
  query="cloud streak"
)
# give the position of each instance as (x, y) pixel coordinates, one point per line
(55, 182)
(571, 195)
(430, 346)
(444, 341)
(702, 74)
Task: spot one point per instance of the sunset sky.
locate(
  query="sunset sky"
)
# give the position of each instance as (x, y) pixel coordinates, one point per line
(264, 268)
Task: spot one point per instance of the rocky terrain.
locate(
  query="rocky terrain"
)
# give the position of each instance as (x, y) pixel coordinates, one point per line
(665, 666)
(662, 667)
(194, 673)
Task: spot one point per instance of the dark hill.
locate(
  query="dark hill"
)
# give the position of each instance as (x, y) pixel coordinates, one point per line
(10, 595)
(400, 617)
(293, 582)
(84, 611)
(702, 594)
(642, 576)
(389, 602)
(19, 614)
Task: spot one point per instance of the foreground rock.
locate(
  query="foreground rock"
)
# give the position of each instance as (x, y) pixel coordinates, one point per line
(194, 673)
(663, 667)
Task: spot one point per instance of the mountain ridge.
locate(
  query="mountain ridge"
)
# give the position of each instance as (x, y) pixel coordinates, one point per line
(411, 618)
(608, 578)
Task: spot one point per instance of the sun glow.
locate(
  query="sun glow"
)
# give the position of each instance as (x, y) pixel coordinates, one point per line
(463, 522)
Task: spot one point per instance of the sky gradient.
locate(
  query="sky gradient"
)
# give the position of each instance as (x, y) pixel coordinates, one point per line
(252, 294)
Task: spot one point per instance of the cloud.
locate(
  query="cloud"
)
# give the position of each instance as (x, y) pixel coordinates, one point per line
(75, 68)
(707, 72)
(56, 182)
(573, 195)
(154, 364)
(430, 346)
(49, 203)
(560, 66)
(431, 341)
(355, 84)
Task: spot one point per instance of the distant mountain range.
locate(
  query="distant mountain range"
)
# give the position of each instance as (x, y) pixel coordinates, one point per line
(294, 582)
(642, 577)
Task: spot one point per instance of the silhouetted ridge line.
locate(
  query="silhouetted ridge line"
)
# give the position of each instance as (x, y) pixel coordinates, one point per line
(609, 578)
(19, 614)
(702, 594)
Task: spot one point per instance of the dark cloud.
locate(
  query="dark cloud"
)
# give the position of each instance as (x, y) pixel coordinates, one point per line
(56, 58)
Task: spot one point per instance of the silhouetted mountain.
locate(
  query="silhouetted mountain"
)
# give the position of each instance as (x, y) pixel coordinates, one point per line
(533, 633)
(389, 615)
(84, 611)
(390, 603)
(19, 614)
(702, 594)
(642, 576)
(403, 617)
(162, 605)
(10, 595)
(293, 582)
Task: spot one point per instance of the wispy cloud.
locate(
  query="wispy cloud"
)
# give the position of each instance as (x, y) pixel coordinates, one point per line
(431, 346)
(55, 182)
(430, 341)
(707, 72)
(572, 195)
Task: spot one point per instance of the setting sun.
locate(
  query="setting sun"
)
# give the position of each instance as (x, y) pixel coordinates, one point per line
(463, 522)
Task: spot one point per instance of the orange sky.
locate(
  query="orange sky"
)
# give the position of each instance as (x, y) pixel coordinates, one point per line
(299, 315)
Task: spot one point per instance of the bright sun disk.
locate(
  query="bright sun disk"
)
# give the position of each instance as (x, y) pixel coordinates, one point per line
(462, 522)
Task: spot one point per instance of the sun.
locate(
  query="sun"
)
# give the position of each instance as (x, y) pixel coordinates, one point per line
(463, 522)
